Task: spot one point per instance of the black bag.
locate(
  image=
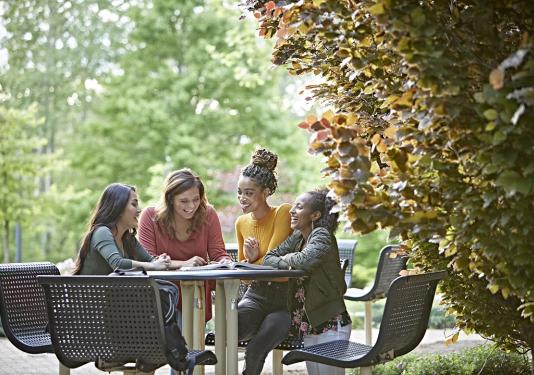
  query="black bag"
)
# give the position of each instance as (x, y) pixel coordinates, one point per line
(175, 342)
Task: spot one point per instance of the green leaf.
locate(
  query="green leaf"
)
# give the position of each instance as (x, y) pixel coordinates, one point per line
(513, 182)
(490, 114)
(377, 9)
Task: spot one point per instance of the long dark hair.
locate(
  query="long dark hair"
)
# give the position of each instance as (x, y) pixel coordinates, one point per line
(176, 183)
(320, 201)
(107, 213)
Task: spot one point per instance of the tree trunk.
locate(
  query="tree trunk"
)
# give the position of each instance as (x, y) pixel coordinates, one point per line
(6, 241)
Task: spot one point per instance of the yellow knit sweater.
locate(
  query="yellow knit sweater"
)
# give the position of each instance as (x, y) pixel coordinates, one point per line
(270, 231)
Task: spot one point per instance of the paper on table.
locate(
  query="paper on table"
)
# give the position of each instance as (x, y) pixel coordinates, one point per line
(228, 266)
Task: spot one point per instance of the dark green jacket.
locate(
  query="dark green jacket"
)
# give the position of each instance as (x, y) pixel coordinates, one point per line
(319, 257)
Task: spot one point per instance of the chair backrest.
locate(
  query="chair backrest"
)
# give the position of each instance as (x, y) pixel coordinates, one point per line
(390, 263)
(406, 314)
(113, 319)
(231, 249)
(347, 248)
(22, 305)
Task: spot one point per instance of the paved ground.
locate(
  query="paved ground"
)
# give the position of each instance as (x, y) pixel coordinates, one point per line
(16, 362)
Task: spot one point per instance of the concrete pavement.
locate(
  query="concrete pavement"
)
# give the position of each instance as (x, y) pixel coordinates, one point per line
(16, 362)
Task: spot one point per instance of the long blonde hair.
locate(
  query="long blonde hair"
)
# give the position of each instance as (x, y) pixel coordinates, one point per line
(176, 183)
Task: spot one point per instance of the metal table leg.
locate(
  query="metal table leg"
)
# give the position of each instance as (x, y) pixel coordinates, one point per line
(199, 322)
(220, 328)
(231, 288)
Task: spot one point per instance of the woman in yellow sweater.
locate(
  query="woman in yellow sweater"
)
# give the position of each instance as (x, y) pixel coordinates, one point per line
(263, 315)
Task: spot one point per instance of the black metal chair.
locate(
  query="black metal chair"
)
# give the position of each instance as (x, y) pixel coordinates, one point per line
(347, 248)
(112, 321)
(23, 307)
(231, 249)
(403, 326)
(390, 263)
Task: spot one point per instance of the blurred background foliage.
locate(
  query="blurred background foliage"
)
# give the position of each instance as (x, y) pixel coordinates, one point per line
(93, 92)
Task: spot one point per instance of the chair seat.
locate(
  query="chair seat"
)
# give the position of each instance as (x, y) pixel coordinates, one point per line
(355, 294)
(289, 343)
(340, 353)
(210, 340)
(194, 358)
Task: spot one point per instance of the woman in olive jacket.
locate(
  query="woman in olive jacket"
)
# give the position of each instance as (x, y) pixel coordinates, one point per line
(316, 303)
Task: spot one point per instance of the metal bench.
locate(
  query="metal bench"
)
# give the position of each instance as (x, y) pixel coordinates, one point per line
(112, 321)
(390, 263)
(23, 308)
(403, 326)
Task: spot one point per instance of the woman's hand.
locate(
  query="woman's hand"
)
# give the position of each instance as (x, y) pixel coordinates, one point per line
(164, 257)
(194, 262)
(225, 260)
(160, 263)
(251, 248)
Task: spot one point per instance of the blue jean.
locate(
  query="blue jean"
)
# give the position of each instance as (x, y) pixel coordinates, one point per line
(263, 320)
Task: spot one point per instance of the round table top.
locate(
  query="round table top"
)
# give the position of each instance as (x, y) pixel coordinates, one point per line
(241, 274)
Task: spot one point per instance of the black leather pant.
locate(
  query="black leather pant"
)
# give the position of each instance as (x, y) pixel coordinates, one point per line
(263, 320)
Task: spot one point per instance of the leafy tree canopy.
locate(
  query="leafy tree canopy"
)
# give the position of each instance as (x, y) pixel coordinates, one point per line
(429, 134)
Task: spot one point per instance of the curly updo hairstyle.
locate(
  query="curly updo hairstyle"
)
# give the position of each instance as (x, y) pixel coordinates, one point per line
(261, 169)
(320, 201)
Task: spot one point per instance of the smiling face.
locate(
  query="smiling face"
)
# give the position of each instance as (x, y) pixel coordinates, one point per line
(302, 215)
(250, 195)
(186, 204)
(128, 218)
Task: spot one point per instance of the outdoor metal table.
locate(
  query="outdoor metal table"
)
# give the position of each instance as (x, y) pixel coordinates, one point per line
(227, 285)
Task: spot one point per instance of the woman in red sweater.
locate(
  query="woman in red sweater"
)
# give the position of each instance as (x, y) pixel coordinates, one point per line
(184, 226)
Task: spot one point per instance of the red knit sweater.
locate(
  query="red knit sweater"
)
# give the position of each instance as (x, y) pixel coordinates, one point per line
(206, 242)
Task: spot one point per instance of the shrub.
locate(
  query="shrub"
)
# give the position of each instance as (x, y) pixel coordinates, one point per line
(429, 132)
(480, 360)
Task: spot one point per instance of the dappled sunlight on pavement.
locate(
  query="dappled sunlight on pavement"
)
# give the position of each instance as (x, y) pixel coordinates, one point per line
(16, 362)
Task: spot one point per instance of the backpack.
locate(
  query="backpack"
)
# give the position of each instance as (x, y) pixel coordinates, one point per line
(175, 343)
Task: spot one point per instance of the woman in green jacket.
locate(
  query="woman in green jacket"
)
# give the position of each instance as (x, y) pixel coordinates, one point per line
(318, 309)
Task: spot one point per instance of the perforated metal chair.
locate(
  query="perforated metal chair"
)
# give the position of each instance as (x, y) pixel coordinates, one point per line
(112, 321)
(347, 249)
(403, 326)
(390, 263)
(23, 308)
(231, 249)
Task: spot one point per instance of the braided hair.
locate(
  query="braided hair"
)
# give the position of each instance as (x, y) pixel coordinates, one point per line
(261, 169)
(320, 201)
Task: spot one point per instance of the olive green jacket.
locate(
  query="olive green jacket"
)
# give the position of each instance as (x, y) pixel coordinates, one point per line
(319, 257)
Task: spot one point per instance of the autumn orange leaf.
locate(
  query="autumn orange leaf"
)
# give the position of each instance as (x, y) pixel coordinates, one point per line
(496, 78)
(270, 5)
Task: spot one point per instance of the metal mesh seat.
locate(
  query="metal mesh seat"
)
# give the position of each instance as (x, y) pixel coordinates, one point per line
(390, 263)
(403, 326)
(108, 320)
(22, 306)
(347, 248)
